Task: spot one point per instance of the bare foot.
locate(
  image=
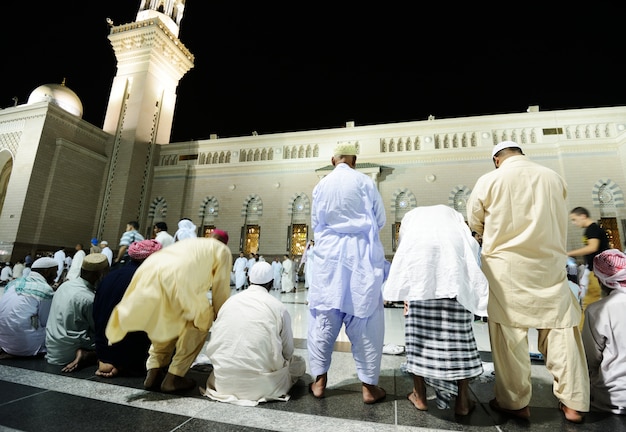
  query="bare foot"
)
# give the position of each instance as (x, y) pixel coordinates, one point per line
(464, 407)
(372, 393)
(83, 358)
(154, 378)
(106, 370)
(318, 387)
(174, 383)
(464, 404)
(571, 414)
(417, 402)
(5, 355)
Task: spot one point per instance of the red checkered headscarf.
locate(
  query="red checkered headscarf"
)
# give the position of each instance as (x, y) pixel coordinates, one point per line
(610, 269)
(141, 250)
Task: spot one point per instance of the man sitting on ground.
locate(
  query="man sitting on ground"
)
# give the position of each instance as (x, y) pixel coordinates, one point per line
(258, 364)
(70, 333)
(24, 310)
(603, 335)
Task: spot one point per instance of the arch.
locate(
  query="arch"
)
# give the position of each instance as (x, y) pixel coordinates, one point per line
(157, 212)
(158, 208)
(6, 169)
(607, 196)
(210, 207)
(299, 203)
(457, 199)
(402, 201)
(252, 206)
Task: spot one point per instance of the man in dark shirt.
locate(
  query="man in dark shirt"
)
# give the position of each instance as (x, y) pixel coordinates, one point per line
(595, 241)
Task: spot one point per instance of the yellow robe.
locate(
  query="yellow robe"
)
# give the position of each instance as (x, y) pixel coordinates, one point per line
(171, 288)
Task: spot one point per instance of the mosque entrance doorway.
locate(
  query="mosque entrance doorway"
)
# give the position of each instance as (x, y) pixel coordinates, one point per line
(612, 232)
(250, 239)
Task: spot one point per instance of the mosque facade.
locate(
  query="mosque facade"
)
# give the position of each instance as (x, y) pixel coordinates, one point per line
(64, 181)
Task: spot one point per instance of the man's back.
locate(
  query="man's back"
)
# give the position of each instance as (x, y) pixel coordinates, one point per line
(71, 324)
(524, 211)
(347, 215)
(251, 346)
(257, 318)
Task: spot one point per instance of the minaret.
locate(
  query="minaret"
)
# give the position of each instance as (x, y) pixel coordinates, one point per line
(151, 60)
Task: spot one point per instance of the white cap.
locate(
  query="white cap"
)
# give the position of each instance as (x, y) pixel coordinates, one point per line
(503, 145)
(261, 273)
(44, 263)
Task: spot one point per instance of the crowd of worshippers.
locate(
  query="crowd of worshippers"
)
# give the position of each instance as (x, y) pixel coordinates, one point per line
(152, 309)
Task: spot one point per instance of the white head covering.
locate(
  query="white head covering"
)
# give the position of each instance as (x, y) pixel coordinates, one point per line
(438, 239)
(44, 263)
(503, 145)
(186, 229)
(261, 273)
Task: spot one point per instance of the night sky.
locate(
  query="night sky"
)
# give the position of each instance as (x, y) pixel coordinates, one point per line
(292, 66)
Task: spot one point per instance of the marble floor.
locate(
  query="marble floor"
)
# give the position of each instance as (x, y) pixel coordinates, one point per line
(35, 396)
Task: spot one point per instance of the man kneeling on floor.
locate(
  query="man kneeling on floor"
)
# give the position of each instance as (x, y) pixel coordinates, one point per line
(70, 331)
(168, 298)
(251, 346)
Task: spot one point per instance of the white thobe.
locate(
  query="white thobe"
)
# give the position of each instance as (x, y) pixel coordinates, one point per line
(165, 238)
(278, 269)
(251, 350)
(346, 216)
(240, 271)
(23, 317)
(109, 254)
(59, 257)
(77, 262)
(308, 267)
(346, 286)
(287, 279)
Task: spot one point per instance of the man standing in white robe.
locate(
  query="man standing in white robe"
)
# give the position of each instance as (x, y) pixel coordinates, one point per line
(239, 267)
(278, 269)
(288, 284)
(346, 287)
(258, 365)
(77, 262)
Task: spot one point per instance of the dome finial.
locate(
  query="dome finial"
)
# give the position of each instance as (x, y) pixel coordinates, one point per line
(63, 82)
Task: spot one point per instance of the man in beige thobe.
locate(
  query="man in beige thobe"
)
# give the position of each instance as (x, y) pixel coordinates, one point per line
(520, 210)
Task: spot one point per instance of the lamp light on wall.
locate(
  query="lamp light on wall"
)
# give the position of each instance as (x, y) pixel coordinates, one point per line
(232, 187)
(431, 178)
